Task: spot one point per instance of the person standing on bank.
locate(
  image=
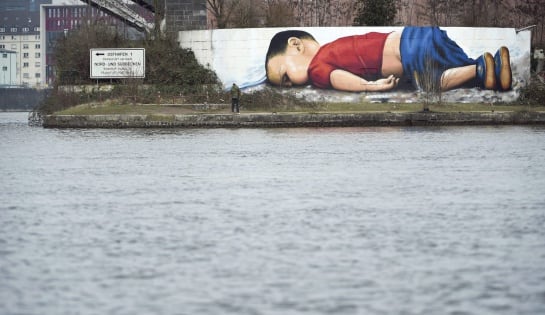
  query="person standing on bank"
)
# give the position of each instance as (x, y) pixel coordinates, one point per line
(235, 96)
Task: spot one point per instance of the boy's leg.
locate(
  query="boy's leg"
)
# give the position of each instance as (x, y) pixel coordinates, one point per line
(492, 73)
(453, 78)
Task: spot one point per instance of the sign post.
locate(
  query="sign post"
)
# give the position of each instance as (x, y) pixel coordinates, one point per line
(114, 63)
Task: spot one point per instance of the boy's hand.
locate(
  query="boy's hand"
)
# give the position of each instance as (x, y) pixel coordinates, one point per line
(346, 81)
(388, 83)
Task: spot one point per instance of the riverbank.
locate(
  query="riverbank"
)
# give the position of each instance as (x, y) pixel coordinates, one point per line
(218, 116)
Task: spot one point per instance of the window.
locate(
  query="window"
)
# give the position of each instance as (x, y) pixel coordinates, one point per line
(37, 55)
(14, 46)
(37, 37)
(26, 29)
(4, 68)
(37, 75)
(2, 29)
(37, 46)
(13, 30)
(25, 46)
(2, 46)
(25, 64)
(25, 55)
(37, 65)
(36, 29)
(26, 76)
(4, 55)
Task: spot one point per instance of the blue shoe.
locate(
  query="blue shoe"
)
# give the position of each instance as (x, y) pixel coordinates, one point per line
(486, 79)
(504, 76)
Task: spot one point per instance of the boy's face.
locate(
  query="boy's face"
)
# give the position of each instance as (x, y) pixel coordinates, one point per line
(291, 67)
(288, 70)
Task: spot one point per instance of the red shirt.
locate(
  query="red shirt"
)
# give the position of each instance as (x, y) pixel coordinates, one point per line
(358, 54)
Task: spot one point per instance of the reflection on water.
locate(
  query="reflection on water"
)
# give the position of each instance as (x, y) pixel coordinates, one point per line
(272, 221)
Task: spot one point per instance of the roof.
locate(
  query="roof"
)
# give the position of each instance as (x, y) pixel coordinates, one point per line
(5, 51)
(19, 20)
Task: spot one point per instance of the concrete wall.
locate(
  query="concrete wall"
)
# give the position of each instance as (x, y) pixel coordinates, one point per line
(21, 98)
(285, 120)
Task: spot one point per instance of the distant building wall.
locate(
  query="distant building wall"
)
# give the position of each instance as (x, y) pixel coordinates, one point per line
(184, 15)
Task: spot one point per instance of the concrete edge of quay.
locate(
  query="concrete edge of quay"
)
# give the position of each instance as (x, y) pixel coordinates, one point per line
(292, 120)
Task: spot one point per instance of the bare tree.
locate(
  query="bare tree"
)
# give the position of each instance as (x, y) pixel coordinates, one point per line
(280, 13)
(222, 10)
(532, 13)
(375, 12)
(323, 12)
(159, 16)
(246, 14)
(406, 12)
(489, 13)
(441, 12)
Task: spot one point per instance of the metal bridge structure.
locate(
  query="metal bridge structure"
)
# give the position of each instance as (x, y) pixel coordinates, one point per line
(122, 10)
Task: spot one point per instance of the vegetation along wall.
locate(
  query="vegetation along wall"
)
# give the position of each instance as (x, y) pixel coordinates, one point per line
(448, 62)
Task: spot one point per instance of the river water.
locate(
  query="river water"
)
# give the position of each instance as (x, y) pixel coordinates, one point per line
(403, 220)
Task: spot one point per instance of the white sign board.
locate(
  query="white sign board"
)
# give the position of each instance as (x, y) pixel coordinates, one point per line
(113, 63)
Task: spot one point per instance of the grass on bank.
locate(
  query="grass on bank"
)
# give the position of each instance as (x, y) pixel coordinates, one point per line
(112, 108)
(169, 100)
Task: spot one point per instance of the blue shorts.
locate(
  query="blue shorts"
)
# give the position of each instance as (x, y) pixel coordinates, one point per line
(426, 52)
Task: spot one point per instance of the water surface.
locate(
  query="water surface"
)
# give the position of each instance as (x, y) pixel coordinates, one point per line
(272, 221)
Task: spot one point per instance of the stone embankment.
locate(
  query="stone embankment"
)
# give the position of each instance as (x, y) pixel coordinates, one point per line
(271, 120)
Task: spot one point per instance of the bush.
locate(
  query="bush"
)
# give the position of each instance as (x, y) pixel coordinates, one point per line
(534, 93)
(171, 72)
(169, 64)
(271, 99)
(71, 52)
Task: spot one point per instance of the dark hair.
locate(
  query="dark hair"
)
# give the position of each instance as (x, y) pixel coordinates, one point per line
(279, 43)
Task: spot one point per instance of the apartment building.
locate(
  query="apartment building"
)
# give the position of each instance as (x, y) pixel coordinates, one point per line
(20, 34)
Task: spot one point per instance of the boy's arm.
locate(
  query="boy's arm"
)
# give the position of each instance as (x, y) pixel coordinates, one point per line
(346, 81)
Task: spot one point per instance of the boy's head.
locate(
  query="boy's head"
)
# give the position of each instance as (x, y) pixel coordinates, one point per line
(288, 57)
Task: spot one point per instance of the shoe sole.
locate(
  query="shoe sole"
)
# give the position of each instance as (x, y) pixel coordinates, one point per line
(505, 77)
(490, 76)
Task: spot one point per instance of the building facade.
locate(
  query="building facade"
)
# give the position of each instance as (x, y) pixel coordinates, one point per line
(20, 33)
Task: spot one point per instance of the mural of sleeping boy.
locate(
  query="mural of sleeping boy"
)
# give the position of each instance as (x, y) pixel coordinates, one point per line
(424, 56)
